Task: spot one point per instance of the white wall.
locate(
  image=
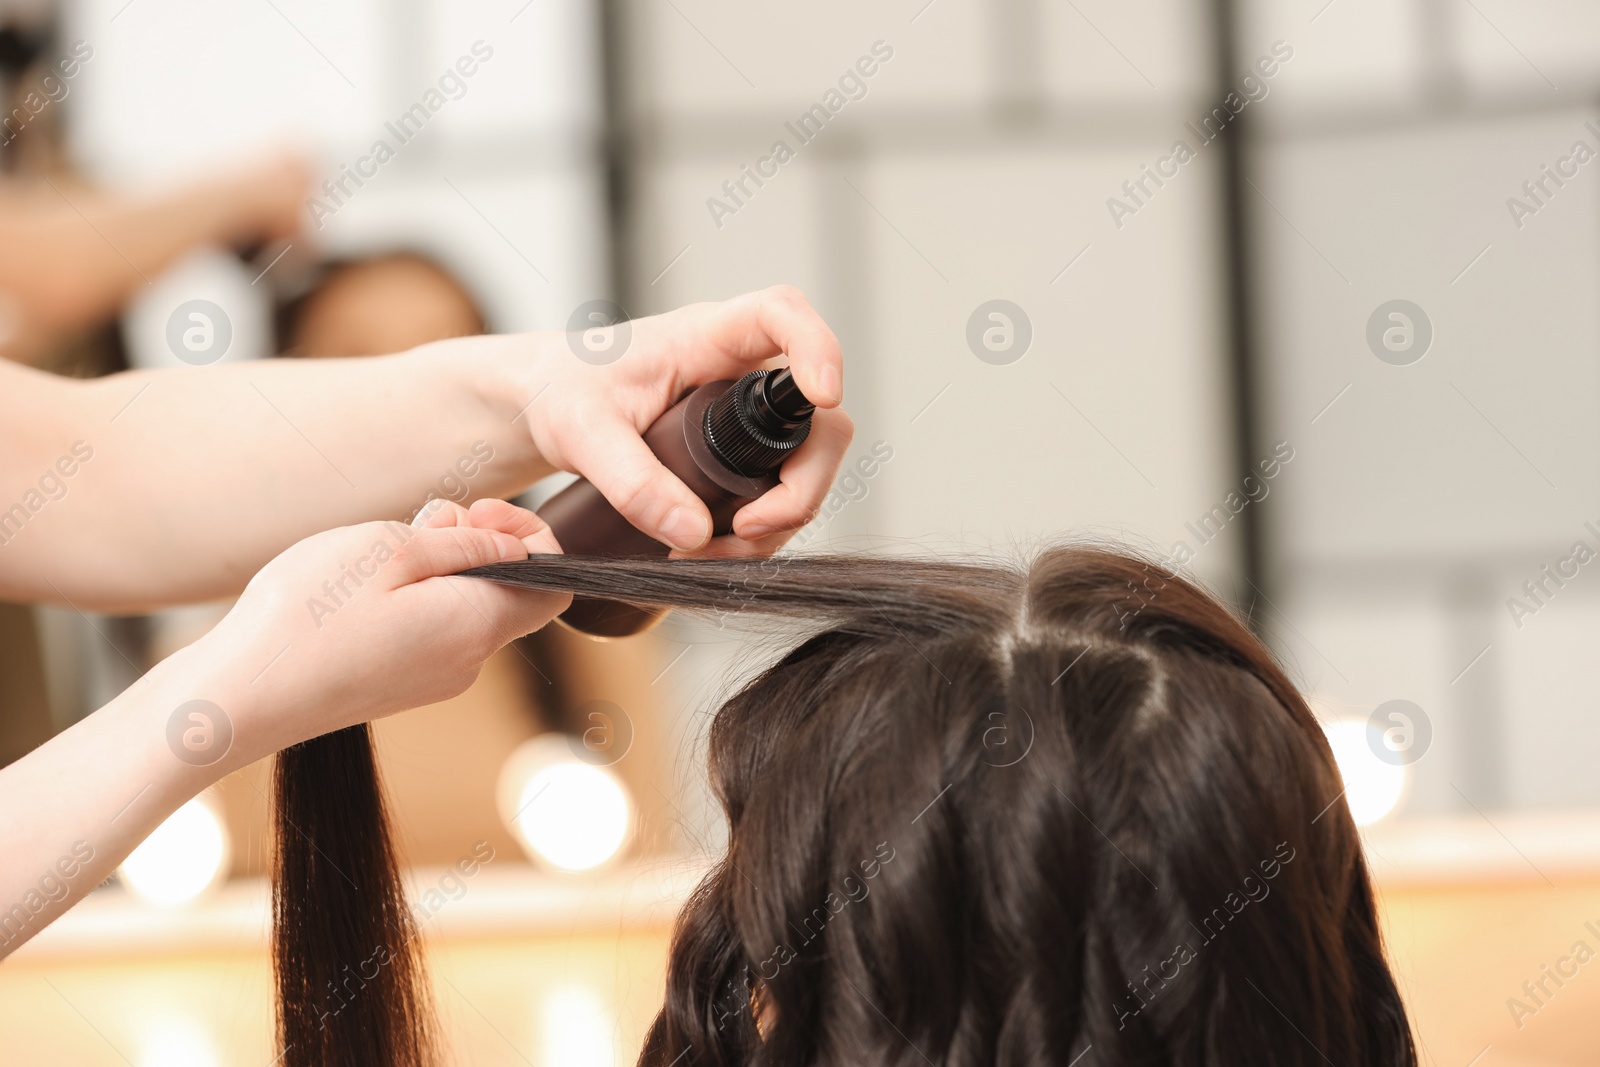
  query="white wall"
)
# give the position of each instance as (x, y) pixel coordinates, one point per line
(502, 184)
(1428, 493)
(978, 166)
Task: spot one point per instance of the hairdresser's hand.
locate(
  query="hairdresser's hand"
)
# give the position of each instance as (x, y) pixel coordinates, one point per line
(588, 418)
(366, 620)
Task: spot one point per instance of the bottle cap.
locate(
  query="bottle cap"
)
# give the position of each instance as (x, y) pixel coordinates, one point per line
(754, 426)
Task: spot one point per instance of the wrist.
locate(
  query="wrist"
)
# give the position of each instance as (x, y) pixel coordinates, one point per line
(187, 724)
(209, 711)
(507, 374)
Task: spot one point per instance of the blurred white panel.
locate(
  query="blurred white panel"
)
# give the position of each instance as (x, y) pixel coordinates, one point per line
(168, 326)
(1485, 445)
(524, 245)
(1351, 654)
(543, 73)
(179, 83)
(1537, 45)
(170, 86)
(1553, 699)
(1113, 420)
(1346, 52)
(1099, 50)
(719, 56)
(771, 239)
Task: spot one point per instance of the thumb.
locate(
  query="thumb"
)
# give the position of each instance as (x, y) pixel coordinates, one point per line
(431, 552)
(613, 457)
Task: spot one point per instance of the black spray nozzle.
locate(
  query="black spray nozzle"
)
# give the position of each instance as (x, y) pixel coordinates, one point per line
(778, 402)
(762, 418)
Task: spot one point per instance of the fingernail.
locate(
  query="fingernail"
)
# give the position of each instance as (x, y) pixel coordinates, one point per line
(832, 386)
(509, 547)
(685, 528)
(426, 512)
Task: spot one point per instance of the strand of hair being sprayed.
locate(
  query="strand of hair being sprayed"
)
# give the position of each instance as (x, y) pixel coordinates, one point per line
(843, 591)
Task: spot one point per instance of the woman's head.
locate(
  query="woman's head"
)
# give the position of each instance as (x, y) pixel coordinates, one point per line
(387, 303)
(990, 815)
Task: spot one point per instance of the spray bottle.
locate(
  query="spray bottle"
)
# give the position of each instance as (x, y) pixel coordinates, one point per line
(725, 440)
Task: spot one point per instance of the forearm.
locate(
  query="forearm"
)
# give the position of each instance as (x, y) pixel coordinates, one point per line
(76, 806)
(197, 478)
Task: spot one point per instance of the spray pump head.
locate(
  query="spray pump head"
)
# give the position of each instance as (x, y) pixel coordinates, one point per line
(754, 426)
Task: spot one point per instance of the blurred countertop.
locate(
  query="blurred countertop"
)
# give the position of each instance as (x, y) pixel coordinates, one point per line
(514, 899)
(502, 900)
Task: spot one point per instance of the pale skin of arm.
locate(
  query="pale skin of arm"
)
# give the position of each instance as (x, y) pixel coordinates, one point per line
(200, 477)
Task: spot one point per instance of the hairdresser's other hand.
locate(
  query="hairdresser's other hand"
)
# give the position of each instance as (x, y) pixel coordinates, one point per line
(367, 620)
(589, 417)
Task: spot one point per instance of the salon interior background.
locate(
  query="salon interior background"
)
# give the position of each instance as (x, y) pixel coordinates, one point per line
(1188, 330)
(1189, 327)
(1185, 329)
(1196, 350)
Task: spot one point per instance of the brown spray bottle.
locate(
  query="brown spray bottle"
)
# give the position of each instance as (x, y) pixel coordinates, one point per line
(725, 440)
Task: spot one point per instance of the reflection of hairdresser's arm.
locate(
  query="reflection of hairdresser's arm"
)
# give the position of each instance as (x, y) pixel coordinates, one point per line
(71, 257)
(163, 487)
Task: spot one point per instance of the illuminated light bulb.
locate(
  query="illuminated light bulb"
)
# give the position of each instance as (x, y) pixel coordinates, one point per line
(578, 1031)
(1372, 788)
(568, 814)
(182, 859)
(176, 1042)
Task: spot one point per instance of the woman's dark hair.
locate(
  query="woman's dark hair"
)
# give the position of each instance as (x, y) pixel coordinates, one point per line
(1000, 815)
(351, 988)
(994, 815)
